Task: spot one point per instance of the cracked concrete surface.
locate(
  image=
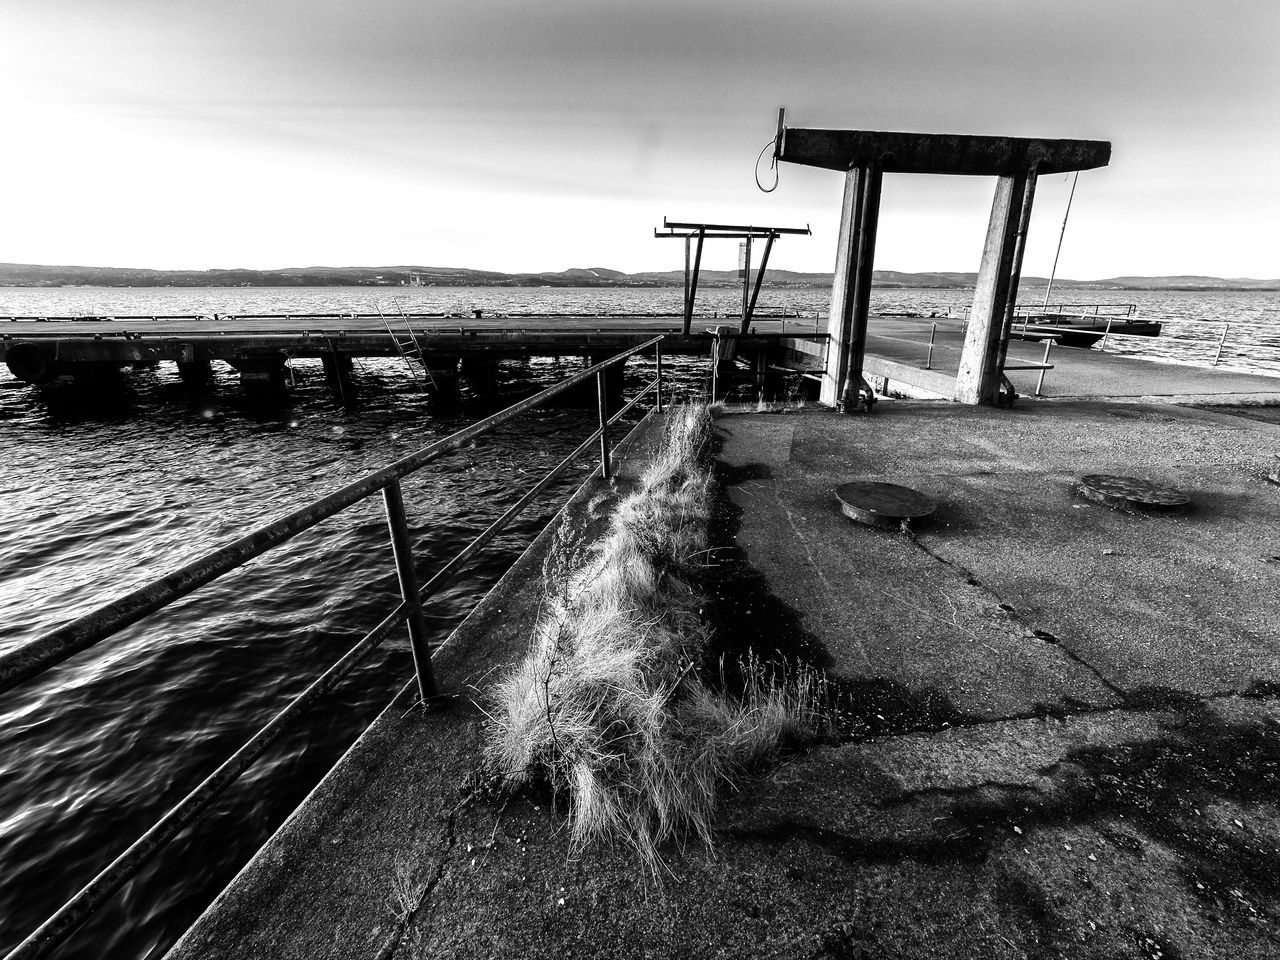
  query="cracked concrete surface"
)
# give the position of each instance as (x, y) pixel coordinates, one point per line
(1065, 734)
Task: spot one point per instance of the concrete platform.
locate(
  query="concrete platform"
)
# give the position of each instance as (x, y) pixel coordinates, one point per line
(898, 348)
(1063, 736)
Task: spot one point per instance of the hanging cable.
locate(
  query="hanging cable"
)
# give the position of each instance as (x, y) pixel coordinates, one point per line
(1054, 272)
(773, 165)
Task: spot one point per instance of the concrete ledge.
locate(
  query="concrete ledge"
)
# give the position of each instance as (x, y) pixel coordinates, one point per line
(325, 883)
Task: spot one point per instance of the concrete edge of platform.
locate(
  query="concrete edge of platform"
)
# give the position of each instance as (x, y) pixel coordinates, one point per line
(450, 656)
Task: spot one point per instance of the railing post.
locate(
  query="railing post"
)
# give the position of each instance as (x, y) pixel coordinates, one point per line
(928, 363)
(1218, 355)
(1048, 345)
(605, 471)
(657, 356)
(400, 546)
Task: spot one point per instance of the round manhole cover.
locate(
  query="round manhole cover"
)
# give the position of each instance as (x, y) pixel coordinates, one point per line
(1130, 493)
(882, 504)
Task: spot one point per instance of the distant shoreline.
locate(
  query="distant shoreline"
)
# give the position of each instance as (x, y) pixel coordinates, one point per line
(35, 275)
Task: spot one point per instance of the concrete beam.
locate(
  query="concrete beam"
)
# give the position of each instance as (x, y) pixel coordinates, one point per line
(938, 153)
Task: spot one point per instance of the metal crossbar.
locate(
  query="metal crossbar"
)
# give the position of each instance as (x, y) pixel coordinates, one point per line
(41, 654)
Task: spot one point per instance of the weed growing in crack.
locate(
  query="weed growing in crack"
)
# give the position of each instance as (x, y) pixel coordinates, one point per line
(610, 707)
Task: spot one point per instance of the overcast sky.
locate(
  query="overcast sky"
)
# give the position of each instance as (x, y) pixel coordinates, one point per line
(540, 136)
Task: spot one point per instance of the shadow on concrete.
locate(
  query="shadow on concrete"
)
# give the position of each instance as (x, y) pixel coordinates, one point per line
(747, 618)
(1190, 791)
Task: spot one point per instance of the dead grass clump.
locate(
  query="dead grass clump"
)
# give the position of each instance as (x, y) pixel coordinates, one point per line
(609, 706)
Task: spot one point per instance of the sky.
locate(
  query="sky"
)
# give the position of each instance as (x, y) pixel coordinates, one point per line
(527, 136)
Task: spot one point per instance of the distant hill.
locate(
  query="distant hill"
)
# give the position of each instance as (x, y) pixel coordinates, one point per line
(34, 275)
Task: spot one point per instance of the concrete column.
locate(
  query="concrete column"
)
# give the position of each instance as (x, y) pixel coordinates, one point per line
(261, 376)
(842, 385)
(97, 376)
(613, 391)
(195, 373)
(442, 379)
(337, 373)
(482, 373)
(583, 395)
(995, 294)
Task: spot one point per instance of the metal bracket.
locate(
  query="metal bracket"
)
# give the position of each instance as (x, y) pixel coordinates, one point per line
(861, 397)
(1006, 395)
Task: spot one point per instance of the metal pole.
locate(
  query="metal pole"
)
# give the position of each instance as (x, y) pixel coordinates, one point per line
(657, 356)
(715, 363)
(746, 284)
(605, 471)
(1218, 356)
(1052, 273)
(1106, 334)
(693, 282)
(403, 550)
(928, 363)
(687, 253)
(1048, 345)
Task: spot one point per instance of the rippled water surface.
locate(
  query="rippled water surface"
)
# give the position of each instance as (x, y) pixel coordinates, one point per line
(100, 495)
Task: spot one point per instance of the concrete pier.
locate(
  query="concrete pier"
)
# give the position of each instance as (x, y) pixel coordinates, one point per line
(1059, 735)
(38, 352)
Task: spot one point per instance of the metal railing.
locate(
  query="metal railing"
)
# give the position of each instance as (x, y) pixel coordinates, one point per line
(33, 659)
(1117, 310)
(1221, 327)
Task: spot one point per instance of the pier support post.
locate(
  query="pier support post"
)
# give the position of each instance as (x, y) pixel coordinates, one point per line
(843, 386)
(583, 395)
(261, 376)
(482, 373)
(996, 291)
(196, 374)
(337, 373)
(442, 379)
(612, 380)
(97, 376)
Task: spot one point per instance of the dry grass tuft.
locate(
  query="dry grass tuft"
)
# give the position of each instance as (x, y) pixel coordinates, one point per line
(609, 706)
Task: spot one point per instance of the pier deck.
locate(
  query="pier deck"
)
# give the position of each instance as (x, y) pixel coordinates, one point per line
(1069, 724)
(897, 347)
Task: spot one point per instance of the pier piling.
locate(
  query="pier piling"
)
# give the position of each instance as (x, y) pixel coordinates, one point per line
(337, 373)
(261, 376)
(195, 373)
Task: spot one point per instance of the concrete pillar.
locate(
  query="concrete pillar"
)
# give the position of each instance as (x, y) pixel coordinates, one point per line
(97, 376)
(842, 385)
(583, 395)
(337, 374)
(195, 373)
(261, 376)
(482, 373)
(613, 392)
(442, 379)
(996, 291)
